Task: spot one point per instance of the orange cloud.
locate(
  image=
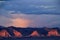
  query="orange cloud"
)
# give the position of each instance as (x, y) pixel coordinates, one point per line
(20, 22)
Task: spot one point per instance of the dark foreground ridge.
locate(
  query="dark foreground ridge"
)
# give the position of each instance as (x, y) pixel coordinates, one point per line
(32, 38)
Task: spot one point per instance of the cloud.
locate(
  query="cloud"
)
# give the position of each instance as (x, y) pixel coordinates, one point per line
(15, 20)
(35, 21)
(4, 0)
(19, 22)
(54, 24)
(32, 6)
(33, 13)
(43, 6)
(5, 21)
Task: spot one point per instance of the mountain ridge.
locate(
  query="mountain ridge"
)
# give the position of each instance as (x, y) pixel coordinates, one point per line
(25, 32)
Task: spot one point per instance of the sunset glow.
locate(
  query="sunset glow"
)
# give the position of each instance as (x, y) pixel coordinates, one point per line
(19, 22)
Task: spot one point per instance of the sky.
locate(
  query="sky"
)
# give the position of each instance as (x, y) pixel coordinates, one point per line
(30, 13)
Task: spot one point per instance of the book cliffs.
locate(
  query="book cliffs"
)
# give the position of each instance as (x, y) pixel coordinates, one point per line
(4, 32)
(34, 33)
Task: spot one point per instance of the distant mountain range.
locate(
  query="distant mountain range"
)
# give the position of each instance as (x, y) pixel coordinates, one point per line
(28, 32)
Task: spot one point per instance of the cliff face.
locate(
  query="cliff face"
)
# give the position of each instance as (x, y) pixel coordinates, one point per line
(35, 34)
(17, 34)
(53, 33)
(20, 32)
(4, 33)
